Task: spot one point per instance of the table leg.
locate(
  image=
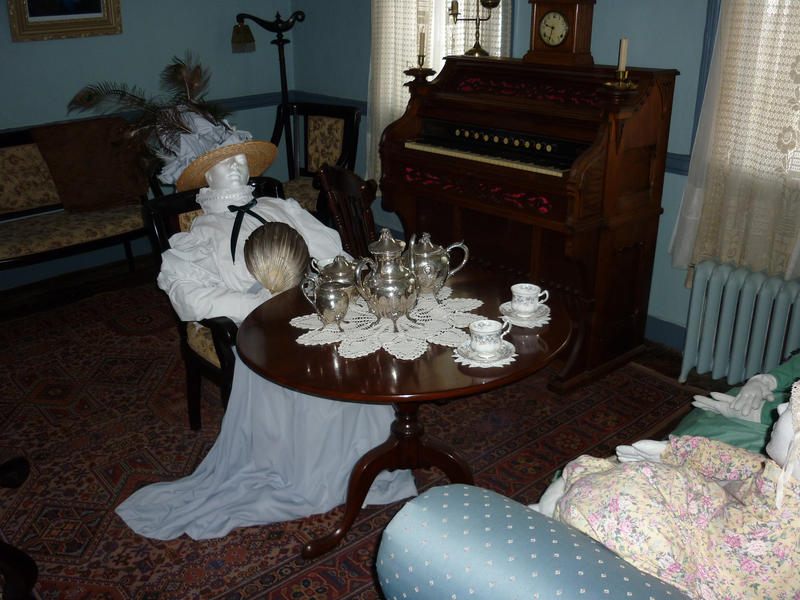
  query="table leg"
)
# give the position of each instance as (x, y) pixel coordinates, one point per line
(406, 448)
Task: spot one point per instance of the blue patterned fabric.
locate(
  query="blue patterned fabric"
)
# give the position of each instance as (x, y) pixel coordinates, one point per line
(459, 542)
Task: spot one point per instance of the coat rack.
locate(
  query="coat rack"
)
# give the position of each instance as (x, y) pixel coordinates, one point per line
(243, 41)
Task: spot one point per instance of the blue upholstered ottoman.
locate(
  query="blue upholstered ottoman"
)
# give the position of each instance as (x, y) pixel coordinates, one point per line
(458, 542)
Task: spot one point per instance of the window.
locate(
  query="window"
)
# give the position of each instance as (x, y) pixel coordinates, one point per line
(742, 198)
(397, 29)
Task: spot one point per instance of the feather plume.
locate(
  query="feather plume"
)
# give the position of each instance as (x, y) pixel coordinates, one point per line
(186, 79)
(156, 121)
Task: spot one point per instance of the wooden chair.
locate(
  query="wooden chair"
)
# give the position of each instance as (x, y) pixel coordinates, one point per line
(320, 134)
(350, 203)
(19, 571)
(206, 345)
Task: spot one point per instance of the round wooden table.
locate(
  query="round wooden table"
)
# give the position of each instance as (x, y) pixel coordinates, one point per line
(266, 343)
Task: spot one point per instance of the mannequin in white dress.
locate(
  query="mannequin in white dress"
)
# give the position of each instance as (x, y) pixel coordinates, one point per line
(280, 454)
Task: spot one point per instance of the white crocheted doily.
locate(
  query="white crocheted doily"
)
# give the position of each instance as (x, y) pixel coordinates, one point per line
(430, 322)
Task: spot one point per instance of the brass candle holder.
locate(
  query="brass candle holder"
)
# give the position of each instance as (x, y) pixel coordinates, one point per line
(622, 83)
(454, 13)
(419, 73)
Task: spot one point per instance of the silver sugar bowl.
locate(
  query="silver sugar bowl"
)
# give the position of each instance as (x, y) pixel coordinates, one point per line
(339, 270)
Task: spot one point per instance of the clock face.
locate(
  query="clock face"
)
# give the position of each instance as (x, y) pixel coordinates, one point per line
(553, 28)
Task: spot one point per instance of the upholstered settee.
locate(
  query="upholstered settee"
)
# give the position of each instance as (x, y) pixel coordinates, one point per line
(68, 188)
(459, 541)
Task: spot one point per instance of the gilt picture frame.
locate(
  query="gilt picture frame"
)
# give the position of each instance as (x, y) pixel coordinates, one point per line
(34, 20)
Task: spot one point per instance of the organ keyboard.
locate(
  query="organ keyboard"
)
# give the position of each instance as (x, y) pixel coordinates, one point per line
(544, 171)
(489, 159)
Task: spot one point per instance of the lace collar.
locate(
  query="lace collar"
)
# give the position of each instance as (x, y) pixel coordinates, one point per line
(217, 201)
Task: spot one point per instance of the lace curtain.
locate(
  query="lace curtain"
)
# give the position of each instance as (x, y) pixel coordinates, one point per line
(395, 43)
(742, 199)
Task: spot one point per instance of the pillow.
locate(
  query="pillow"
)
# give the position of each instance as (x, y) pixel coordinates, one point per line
(736, 432)
(25, 183)
(93, 162)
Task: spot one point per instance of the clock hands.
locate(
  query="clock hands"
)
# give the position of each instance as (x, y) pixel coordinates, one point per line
(550, 33)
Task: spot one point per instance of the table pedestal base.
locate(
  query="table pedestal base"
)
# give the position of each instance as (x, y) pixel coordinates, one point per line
(406, 448)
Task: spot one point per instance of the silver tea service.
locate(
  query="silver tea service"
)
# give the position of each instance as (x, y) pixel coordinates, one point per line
(388, 287)
(338, 269)
(430, 263)
(330, 299)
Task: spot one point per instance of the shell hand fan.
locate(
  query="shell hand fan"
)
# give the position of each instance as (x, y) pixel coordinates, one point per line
(277, 255)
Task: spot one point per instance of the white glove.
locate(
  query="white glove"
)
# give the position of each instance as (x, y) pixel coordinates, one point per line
(642, 450)
(547, 503)
(755, 392)
(723, 404)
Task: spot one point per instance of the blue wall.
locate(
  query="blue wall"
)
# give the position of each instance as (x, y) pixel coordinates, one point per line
(329, 57)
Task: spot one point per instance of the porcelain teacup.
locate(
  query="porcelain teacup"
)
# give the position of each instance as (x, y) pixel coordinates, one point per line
(486, 336)
(526, 298)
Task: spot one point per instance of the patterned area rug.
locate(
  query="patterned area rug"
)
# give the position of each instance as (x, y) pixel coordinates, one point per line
(93, 396)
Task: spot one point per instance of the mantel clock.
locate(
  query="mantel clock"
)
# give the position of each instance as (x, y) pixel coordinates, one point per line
(561, 32)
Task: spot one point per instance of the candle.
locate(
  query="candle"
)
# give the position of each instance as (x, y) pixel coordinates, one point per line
(421, 42)
(623, 54)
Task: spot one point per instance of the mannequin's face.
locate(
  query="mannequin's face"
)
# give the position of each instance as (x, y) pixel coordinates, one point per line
(782, 434)
(228, 173)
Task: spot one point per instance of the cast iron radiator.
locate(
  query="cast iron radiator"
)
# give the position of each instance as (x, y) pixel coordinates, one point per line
(740, 322)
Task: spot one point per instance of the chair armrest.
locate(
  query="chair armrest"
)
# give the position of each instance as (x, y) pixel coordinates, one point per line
(223, 328)
(459, 540)
(223, 332)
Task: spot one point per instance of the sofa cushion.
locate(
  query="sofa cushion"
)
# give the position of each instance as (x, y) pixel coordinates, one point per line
(460, 541)
(93, 162)
(65, 228)
(302, 189)
(25, 185)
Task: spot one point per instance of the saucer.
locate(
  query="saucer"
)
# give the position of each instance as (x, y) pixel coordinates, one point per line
(537, 318)
(506, 351)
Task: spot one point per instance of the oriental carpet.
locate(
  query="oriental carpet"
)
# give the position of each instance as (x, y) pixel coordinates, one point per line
(93, 395)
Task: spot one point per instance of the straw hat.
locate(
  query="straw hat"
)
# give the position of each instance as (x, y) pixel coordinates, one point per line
(260, 155)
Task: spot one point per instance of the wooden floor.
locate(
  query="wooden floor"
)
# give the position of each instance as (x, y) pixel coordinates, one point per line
(74, 286)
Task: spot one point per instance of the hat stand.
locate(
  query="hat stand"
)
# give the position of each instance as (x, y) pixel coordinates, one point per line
(243, 41)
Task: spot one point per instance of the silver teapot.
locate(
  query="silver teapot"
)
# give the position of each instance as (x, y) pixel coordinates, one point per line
(339, 270)
(430, 263)
(388, 287)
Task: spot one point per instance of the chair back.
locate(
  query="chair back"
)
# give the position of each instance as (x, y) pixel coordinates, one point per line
(163, 214)
(350, 202)
(320, 134)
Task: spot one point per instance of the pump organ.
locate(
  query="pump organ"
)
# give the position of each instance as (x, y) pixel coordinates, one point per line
(546, 172)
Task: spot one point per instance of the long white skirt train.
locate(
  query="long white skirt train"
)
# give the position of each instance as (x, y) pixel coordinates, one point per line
(280, 455)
